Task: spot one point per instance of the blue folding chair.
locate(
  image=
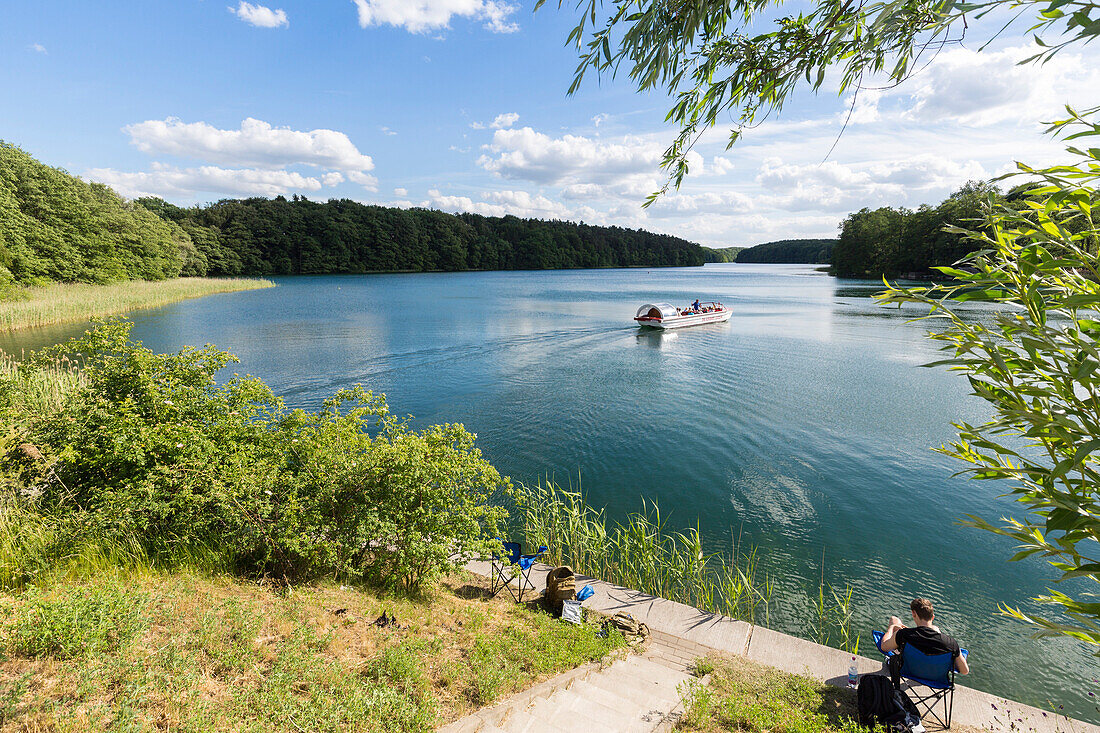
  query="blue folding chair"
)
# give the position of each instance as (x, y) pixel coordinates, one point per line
(514, 559)
(934, 671)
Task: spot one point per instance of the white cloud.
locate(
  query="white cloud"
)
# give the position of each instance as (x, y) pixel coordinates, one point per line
(260, 15)
(424, 16)
(387, 131)
(719, 166)
(500, 122)
(256, 144)
(600, 118)
(505, 120)
(861, 107)
(170, 181)
(709, 202)
(989, 87)
(365, 180)
(38, 47)
(841, 188)
(629, 167)
(504, 203)
(401, 192)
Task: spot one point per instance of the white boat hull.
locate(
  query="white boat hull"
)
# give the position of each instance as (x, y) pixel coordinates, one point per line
(695, 319)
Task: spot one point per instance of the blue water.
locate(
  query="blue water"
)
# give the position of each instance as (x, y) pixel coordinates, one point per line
(804, 426)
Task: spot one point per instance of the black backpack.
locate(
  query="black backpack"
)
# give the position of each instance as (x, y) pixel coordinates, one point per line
(879, 703)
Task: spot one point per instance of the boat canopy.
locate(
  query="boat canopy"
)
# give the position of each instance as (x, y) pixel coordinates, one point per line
(656, 310)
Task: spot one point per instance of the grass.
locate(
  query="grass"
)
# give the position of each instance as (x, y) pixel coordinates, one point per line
(747, 697)
(744, 696)
(65, 302)
(186, 651)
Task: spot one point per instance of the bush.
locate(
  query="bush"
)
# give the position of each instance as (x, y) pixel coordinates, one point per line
(149, 451)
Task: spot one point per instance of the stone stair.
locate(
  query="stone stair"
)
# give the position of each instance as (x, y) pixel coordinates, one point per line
(637, 694)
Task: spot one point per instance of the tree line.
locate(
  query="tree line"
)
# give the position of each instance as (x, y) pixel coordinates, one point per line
(296, 236)
(910, 242)
(55, 227)
(789, 251)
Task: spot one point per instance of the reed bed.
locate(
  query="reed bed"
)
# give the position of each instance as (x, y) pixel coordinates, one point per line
(642, 553)
(66, 302)
(43, 388)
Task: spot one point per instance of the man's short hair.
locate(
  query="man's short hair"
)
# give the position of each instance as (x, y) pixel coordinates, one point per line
(922, 607)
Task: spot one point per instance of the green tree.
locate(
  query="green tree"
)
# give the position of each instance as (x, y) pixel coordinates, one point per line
(1037, 364)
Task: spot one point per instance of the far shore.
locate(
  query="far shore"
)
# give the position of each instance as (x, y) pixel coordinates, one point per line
(68, 302)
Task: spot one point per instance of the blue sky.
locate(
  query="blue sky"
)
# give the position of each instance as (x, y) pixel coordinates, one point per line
(460, 105)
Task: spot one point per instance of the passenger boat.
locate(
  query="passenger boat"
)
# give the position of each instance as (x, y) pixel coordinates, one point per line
(666, 315)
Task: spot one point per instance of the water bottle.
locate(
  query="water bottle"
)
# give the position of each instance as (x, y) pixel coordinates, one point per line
(853, 675)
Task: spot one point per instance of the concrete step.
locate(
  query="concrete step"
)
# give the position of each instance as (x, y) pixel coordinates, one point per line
(650, 674)
(633, 695)
(521, 721)
(623, 705)
(567, 711)
(618, 683)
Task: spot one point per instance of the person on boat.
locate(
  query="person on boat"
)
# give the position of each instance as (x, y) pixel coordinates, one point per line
(695, 305)
(924, 636)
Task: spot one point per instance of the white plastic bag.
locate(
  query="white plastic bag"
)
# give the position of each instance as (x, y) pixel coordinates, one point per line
(571, 611)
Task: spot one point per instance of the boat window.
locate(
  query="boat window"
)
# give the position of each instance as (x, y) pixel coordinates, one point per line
(654, 313)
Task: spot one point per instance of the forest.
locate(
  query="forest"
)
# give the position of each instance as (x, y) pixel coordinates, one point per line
(57, 228)
(296, 236)
(909, 242)
(54, 227)
(789, 251)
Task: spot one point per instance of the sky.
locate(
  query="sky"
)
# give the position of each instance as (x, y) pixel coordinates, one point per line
(461, 105)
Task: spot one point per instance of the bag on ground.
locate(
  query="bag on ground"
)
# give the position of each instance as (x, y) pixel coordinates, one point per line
(560, 586)
(571, 611)
(879, 703)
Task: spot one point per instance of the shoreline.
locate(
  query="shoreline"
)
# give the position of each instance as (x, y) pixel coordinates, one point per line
(68, 302)
(693, 633)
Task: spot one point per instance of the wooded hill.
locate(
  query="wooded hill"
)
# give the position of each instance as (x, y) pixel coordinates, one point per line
(789, 251)
(56, 227)
(910, 242)
(295, 236)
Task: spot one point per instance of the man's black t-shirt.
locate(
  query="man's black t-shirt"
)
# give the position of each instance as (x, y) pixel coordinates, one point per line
(928, 640)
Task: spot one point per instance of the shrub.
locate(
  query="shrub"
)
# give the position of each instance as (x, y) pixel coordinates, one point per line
(147, 451)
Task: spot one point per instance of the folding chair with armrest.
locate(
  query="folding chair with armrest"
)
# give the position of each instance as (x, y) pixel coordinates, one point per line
(934, 671)
(514, 558)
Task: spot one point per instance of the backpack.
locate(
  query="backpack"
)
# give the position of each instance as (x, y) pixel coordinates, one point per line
(560, 586)
(879, 703)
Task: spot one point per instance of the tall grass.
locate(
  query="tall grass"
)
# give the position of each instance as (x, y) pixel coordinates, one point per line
(42, 389)
(642, 553)
(64, 302)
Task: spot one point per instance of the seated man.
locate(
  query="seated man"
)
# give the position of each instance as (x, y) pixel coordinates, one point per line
(924, 636)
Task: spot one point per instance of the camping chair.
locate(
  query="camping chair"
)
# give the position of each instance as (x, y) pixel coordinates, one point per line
(935, 672)
(505, 569)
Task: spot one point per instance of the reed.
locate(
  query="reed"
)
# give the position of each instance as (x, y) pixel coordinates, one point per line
(641, 552)
(65, 302)
(42, 389)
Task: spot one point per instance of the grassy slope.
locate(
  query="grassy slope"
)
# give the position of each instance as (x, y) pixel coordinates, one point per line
(63, 302)
(191, 652)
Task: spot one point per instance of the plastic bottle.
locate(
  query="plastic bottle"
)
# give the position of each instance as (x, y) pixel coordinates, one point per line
(853, 675)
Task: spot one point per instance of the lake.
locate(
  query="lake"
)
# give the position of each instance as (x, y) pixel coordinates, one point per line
(805, 425)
